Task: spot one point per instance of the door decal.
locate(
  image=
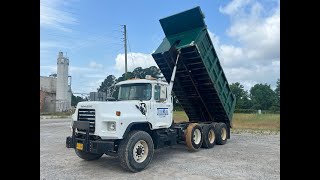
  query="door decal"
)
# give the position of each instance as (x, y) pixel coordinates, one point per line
(162, 112)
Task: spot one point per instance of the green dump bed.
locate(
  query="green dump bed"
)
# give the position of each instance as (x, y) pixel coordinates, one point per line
(200, 83)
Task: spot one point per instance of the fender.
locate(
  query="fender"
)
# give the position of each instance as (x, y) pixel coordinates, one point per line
(146, 126)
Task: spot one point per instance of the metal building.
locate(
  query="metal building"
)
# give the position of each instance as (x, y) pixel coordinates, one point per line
(48, 87)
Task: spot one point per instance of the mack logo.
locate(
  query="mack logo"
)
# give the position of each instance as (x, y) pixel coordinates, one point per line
(87, 106)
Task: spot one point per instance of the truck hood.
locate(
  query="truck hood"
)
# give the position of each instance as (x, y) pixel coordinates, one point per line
(107, 109)
(105, 113)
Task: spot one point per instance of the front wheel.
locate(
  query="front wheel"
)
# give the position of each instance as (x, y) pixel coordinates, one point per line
(87, 156)
(135, 152)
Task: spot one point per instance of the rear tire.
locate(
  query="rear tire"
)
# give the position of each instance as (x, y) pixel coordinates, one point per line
(214, 124)
(209, 137)
(135, 152)
(193, 137)
(87, 155)
(221, 133)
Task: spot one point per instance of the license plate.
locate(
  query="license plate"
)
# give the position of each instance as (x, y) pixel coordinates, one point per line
(80, 146)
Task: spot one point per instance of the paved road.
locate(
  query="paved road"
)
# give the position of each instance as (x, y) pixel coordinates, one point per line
(245, 156)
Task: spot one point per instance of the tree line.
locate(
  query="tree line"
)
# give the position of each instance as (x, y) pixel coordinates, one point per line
(260, 96)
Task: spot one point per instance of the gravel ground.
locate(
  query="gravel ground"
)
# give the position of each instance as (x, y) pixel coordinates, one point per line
(245, 156)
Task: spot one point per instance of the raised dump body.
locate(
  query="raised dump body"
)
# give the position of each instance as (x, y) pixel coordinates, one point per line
(200, 83)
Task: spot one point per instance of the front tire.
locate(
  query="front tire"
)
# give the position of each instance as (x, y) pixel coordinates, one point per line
(136, 151)
(87, 156)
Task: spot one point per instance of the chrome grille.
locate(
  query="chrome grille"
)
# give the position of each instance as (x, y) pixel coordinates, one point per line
(87, 115)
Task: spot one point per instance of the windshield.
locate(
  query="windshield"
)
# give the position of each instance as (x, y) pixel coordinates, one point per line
(141, 91)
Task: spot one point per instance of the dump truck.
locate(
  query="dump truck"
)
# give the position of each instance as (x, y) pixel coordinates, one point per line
(141, 119)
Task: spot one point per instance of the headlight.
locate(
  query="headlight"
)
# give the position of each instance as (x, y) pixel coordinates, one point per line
(111, 126)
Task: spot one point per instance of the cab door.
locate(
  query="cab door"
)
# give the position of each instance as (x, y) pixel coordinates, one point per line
(162, 107)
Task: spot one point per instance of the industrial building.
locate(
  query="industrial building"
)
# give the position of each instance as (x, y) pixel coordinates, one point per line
(55, 90)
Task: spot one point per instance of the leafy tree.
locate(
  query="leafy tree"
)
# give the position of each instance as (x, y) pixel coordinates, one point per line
(153, 71)
(138, 72)
(262, 96)
(122, 78)
(75, 100)
(141, 73)
(108, 85)
(242, 97)
(246, 103)
(276, 103)
(277, 91)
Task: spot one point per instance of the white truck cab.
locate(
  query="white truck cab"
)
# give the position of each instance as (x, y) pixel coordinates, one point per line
(139, 101)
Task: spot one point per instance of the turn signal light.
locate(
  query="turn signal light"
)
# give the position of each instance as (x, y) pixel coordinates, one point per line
(118, 113)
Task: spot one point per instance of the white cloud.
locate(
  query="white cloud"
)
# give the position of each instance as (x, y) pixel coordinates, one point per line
(47, 70)
(214, 38)
(260, 37)
(95, 76)
(256, 58)
(53, 15)
(79, 70)
(95, 65)
(134, 60)
(234, 7)
(253, 75)
(258, 34)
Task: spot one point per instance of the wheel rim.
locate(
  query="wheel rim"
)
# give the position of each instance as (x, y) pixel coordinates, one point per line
(224, 134)
(140, 151)
(197, 136)
(211, 136)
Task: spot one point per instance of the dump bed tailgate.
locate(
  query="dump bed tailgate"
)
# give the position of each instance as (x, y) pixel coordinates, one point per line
(200, 83)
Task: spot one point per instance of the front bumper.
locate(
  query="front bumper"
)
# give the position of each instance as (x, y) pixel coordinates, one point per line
(92, 146)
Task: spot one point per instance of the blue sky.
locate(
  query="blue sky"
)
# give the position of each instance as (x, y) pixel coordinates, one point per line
(245, 33)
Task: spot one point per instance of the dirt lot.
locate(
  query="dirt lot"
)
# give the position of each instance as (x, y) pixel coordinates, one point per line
(245, 156)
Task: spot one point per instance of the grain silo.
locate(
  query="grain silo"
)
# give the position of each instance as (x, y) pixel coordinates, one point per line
(62, 97)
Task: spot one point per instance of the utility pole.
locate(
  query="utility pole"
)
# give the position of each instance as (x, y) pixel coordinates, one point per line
(125, 50)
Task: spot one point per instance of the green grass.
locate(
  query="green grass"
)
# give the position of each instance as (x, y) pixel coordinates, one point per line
(180, 116)
(256, 121)
(244, 121)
